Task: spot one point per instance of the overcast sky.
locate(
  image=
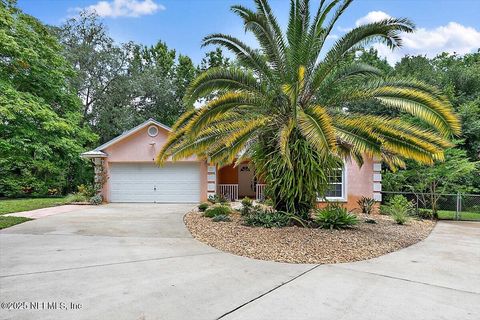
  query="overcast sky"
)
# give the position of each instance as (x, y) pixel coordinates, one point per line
(442, 25)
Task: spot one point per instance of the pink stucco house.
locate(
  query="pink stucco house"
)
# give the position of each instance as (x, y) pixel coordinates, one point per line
(126, 168)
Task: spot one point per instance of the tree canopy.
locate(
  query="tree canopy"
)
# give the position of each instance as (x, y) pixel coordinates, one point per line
(41, 134)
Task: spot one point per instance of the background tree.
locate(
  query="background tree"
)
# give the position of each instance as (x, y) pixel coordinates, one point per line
(41, 135)
(122, 85)
(455, 174)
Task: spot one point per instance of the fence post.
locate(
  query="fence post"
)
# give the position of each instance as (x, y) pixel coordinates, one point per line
(459, 206)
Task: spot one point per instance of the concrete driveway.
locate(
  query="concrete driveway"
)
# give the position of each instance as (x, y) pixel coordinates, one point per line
(127, 261)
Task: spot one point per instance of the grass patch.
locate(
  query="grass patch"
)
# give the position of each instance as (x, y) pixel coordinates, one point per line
(18, 205)
(6, 222)
(450, 215)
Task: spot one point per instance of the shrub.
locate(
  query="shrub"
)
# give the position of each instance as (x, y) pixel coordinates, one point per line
(75, 197)
(217, 199)
(221, 218)
(216, 210)
(263, 216)
(366, 204)
(399, 208)
(334, 216)
(247, 202)
(86, 190)
(400, 217)
(96, 200)
(203, 206)
(425, 214)
(247, 206)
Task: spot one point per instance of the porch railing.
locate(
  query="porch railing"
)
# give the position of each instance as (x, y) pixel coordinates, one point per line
(260, 192)
(228, 191)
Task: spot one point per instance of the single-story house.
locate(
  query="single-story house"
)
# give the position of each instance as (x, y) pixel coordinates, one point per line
(126, 168)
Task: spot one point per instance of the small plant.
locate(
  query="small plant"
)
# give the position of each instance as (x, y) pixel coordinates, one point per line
(96, 199)
(221, 218)
(247, 206)
(425, 214)
(216, 210)
(203, 206)
(217, 199)
(334, 216)
(75, 197)
(371, 221)
(399, 209)
(86, 190)
(400, 217)
(366, 204)
(263, 216)
(53, 192)
(247, 202)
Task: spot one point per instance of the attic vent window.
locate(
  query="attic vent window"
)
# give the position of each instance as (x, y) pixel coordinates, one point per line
(152, 131)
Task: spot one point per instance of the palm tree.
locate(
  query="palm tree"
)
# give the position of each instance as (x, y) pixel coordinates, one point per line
(285, 106)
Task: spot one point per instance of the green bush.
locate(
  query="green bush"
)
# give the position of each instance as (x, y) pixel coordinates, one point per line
(334, 216)
(203, 206)
(263, 216)
(247, 202)
(247, 206)
(96, 200)
(221, 218)
(76, 197)
(366, 204)
(399, 208)
(216, 210)
(86, 190)
(425, 214)
(217, 199)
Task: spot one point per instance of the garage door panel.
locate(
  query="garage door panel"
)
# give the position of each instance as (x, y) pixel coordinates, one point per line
(179, 182)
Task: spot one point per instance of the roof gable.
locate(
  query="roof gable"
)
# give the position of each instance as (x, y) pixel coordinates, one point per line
(98, 151)
(132, 131)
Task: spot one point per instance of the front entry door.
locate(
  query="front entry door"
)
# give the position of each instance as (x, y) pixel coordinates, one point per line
(245, 181)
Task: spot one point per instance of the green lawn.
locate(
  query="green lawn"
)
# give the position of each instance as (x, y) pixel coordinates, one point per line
(6, 222)
(17, 205)
(449, 215)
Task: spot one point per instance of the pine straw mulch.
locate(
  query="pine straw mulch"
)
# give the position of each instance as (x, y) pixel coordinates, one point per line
(305, 245)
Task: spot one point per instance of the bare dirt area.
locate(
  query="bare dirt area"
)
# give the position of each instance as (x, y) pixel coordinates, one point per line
(306, 245)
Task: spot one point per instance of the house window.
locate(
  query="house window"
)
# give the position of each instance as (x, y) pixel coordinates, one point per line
(152, 131)
(336, 182)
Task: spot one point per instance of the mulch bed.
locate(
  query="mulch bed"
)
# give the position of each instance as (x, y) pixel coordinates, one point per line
(304, 245)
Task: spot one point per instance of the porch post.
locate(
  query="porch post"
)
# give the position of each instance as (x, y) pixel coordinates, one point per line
(211, 180)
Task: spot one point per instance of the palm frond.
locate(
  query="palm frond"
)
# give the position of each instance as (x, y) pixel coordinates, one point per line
(268, 40)
(421, 104)
(218, 79)
(316, 126)
(218, 107)
(245, 55)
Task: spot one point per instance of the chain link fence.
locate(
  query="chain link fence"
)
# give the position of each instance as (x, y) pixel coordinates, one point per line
(448, 206)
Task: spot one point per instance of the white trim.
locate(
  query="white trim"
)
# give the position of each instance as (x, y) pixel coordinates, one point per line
(344, 197)
(93, 154)
(130, 132)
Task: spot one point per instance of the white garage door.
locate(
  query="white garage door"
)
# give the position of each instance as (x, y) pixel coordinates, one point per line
(178, 182)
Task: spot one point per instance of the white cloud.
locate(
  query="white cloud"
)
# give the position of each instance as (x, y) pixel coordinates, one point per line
(125, 8)
(451, 38)
(372, 16)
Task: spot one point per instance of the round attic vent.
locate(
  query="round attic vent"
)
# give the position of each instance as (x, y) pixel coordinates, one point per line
(152, 131)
